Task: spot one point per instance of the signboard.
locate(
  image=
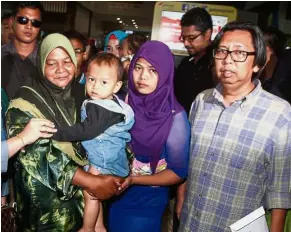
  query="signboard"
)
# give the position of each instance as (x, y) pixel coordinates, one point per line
(167, 15)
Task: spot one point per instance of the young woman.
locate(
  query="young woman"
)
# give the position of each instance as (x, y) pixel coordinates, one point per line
(160, 142)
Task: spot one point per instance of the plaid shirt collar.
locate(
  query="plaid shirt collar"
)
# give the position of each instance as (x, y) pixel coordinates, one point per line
(218, 96)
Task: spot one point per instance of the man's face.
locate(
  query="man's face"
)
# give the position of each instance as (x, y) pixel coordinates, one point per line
(79, 51)
(231, 74)
(26, 33)
(194, 40)
(6, 30)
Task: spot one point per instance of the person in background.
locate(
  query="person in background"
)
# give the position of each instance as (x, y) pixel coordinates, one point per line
(276, 76)
(130, 46)
(159, 141)
(6, 28)
(112, 42)
(194, 74)
(18, 58)
(240, 140)
(52, 199)
(79, 44)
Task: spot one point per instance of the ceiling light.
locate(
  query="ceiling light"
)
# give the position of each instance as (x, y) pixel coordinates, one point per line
(118, 18)
(132, 20)
(136, 27)
(120, 21)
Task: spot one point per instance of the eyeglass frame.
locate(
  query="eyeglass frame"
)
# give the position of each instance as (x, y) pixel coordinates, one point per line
(190, 40)
(230, 52)
(79, 51)
(33, 21)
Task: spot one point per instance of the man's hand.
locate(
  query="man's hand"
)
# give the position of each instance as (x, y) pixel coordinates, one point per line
(105, 186)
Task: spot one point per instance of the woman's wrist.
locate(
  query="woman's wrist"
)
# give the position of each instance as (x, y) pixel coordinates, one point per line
(132, 180)
(22, 139)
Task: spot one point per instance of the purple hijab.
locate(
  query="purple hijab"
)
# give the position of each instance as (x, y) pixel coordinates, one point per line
(154, 113)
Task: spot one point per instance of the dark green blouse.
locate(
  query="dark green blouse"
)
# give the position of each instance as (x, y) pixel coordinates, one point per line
(46, 198)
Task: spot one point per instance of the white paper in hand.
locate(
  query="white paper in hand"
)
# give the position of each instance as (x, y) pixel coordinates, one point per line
(253, 222)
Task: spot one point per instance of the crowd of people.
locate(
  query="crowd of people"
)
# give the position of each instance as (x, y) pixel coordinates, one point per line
(111, 140)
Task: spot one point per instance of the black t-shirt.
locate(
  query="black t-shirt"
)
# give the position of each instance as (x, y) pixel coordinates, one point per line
(192, 78)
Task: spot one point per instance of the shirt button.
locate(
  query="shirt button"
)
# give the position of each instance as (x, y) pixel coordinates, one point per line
(219, 133)
(196, 214)
(200, 194)
(205, 174)
(212, 154)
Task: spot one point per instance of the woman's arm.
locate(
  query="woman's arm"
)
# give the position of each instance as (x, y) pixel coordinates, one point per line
(180, 198)
(177, 156)
(35, 129)
(164, 178)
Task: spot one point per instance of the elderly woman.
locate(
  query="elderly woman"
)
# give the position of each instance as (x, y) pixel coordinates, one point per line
(49, 173)
(160, 142)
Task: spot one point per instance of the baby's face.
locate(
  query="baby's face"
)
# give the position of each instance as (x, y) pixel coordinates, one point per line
(101, 81)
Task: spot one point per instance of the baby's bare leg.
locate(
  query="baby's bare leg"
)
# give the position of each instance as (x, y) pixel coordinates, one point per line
(99, 227)
(92, 208)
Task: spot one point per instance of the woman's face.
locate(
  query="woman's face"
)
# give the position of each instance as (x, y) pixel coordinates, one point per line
(145, 77)
(114, 47)
(59, 68)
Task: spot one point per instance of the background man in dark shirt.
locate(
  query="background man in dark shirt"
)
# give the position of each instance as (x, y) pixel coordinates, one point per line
(194, 74)
(18, 58)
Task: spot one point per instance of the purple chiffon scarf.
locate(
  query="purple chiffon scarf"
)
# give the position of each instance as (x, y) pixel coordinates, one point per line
(154, 112)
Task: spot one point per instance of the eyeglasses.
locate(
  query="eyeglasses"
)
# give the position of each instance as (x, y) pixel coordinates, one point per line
(189, 38)
(236, 55)
(24, 20)
(78, 51)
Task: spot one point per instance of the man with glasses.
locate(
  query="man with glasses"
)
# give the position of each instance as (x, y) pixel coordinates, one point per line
(194, 74)
(240, 153)
(79, 44)
(19, 56)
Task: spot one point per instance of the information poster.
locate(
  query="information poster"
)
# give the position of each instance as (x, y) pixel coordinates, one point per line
(166, 24)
